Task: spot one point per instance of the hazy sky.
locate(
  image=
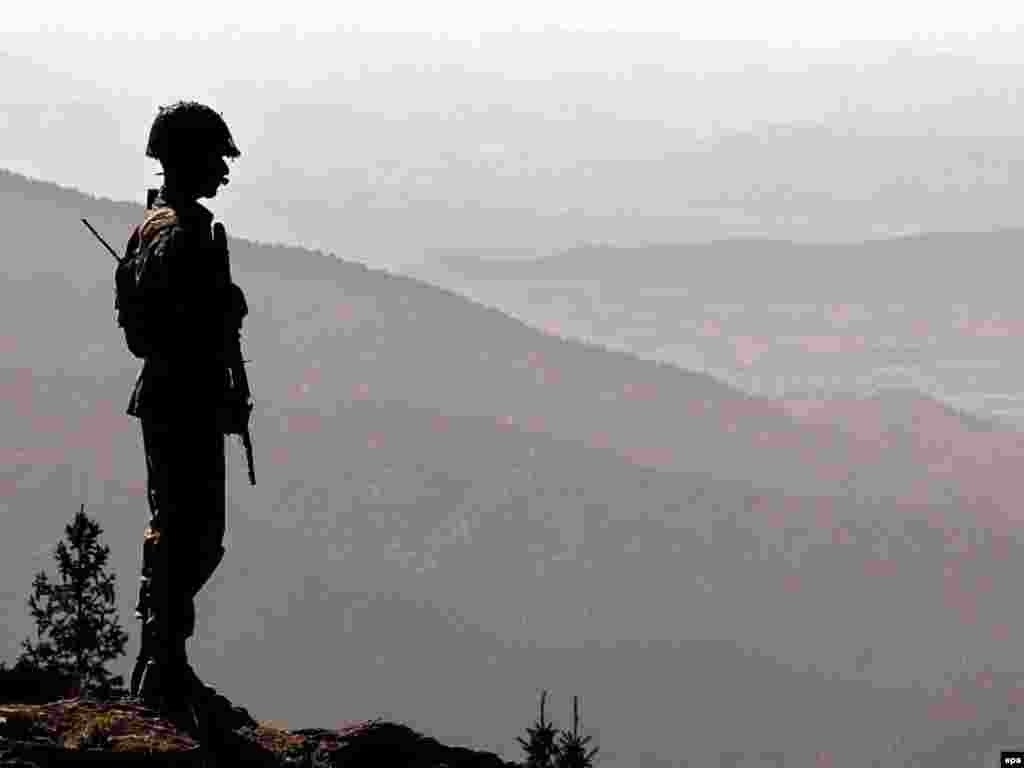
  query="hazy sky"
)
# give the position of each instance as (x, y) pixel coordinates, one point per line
(254, 40)
(781, 21)
(466, 100)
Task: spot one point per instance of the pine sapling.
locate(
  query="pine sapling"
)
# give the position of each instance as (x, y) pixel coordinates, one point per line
(541, 748)
(572, 750)
(76, 620)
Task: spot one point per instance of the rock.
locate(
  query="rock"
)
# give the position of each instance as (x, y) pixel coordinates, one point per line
(87, 731)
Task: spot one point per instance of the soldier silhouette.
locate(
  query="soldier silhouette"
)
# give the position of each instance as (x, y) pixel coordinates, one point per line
(182, 316)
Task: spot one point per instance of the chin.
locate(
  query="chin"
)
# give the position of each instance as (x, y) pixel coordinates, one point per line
(213, 188)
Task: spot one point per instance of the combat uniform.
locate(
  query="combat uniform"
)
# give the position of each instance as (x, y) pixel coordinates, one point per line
(190, 312)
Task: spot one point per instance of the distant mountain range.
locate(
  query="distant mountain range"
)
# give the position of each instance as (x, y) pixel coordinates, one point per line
(943, 265)
(938, 312)
(449, 500)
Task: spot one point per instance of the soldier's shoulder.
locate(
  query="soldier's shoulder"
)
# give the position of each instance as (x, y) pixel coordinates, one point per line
(158, 221)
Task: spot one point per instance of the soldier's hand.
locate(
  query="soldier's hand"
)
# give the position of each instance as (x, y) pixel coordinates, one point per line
(237, 305)
(234, 414)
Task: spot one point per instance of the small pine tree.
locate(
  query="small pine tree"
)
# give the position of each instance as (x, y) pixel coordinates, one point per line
(541, 749)
(572, 750)
(76, 621)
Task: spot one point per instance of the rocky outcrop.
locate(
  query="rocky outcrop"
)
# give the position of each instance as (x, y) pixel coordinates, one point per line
(85, 731)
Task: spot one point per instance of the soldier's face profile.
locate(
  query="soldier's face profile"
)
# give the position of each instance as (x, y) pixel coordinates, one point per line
(207, 174)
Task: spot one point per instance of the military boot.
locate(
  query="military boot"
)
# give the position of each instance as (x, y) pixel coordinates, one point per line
(159, 681)
(143, 678)
(214, 715)
(138, 672)
(163, 690)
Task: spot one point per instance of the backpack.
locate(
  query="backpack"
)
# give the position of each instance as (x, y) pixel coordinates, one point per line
(128, 302)
(131, 310)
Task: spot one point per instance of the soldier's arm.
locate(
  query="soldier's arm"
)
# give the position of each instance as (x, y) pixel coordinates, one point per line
(232, 304)
(235, 310)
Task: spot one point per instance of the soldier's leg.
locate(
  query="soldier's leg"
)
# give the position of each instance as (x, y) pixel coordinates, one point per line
(150, 607)
(206, 527)
(196, 522)
(162, 597)
(209, 507)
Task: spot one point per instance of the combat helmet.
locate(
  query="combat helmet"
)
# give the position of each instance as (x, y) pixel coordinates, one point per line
(187, 127)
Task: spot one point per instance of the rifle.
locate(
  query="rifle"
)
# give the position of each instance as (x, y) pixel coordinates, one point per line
(236, 365)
